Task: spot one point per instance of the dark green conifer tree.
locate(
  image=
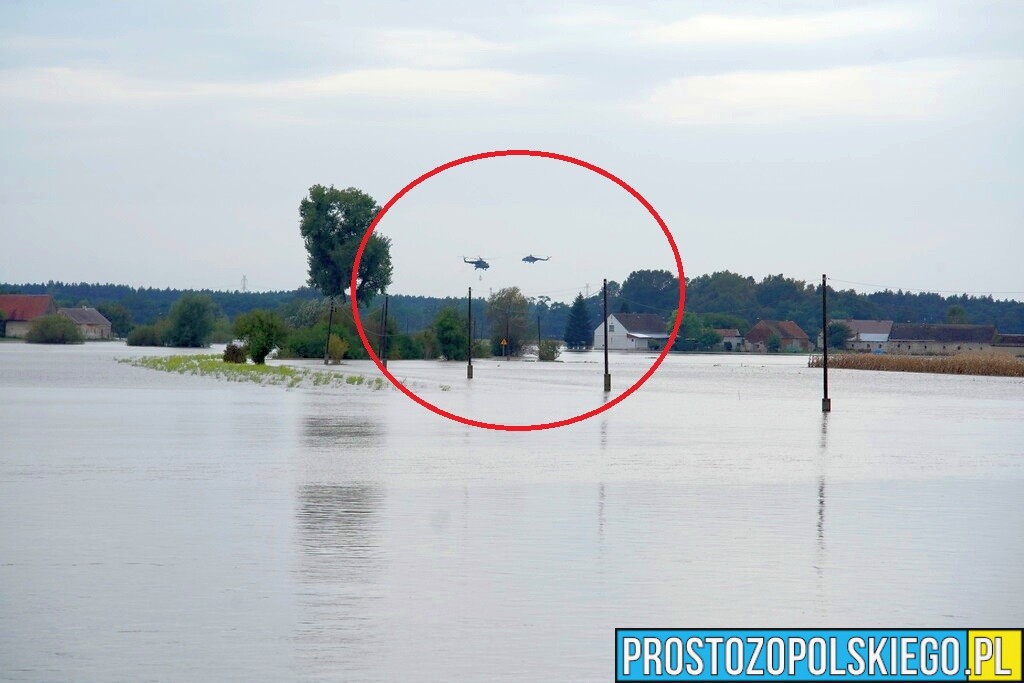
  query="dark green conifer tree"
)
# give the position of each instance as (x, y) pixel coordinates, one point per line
(579, 331)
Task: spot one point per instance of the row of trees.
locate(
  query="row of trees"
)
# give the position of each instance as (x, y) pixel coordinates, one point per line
(743, 298)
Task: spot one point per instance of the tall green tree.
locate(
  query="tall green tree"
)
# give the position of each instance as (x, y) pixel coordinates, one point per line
(119, 316)
(332, 223)
(450, 333)
(651, 291)
(262, 331)
(579, 331)
(838, 334)
(191, 321)
(507, 317)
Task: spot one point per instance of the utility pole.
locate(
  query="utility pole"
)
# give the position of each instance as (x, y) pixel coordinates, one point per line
(508, 342)
(469, 335)
(384, 338)
(826, 402)
(607, 376)
(538, 337)
(330, 321)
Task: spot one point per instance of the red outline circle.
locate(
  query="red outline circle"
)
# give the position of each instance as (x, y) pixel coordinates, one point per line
(520, 153)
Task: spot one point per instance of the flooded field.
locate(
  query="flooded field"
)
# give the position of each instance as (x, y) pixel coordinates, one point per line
(155, 526)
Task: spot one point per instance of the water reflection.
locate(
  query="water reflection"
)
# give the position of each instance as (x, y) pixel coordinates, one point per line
(340, 430)
(821, 553)
(823, 458)
(340, 564)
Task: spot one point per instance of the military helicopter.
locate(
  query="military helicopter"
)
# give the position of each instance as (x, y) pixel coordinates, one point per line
(533, 259)
(478, 263)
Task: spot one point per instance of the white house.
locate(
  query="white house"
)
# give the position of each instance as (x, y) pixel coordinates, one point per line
(865, 335)
(632, 332)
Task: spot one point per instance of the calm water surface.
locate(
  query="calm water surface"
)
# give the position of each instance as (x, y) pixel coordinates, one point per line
(165, 527)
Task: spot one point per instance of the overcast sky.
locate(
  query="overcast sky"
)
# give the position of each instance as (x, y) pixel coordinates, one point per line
(170, 145)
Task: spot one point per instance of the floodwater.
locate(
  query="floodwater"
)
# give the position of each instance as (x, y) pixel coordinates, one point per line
(164, 527)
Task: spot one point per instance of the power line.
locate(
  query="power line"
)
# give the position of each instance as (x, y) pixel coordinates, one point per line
(921, 291)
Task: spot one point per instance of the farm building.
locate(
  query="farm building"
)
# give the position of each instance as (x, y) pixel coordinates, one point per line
(791, 337)
(632, 332)
(865, 335)
(21, 309)
(931, 340)
(91, 323)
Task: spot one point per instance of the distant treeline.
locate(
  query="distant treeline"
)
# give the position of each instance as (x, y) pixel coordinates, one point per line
(147, 304)
(780, 298)
(740, 300)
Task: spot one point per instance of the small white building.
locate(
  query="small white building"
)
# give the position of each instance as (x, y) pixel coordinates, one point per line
(865, 335)
(632, 332)
(732, 340)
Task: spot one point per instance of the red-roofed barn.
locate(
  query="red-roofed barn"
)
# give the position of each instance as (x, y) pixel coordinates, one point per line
(791, 337)
(21, 309)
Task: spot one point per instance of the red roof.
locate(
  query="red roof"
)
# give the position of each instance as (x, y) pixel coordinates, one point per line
(26, 306)
(784, 329)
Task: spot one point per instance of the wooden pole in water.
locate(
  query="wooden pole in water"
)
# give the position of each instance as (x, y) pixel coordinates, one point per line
(469, 335)
(826, 402)
(384, 339)
(607, 376)
(327, 344)
(538, 337)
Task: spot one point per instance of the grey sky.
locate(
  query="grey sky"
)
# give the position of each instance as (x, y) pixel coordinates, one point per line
(170, 145)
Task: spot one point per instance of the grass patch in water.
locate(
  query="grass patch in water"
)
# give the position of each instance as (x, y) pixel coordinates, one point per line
(993, 364)
(280, 375)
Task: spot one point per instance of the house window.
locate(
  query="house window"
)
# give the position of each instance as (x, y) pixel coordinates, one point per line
(611, 328)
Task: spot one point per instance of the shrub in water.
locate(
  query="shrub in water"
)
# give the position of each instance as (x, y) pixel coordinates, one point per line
(263, 331)
(53, 329)
(145, 335)
(550, 349)
(336, 349)
(235, 353)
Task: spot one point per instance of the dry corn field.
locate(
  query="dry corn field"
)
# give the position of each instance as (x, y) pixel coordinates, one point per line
(979, 363)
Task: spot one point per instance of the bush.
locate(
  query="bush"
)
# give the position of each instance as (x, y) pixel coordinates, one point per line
(222, 332)
(404, 346)
(549, 350)
(481, 348)
(306, 342)
(235, 353)
(450, 332)
(336, 349)
(53, 329)
(145, 335)
(263, 331)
